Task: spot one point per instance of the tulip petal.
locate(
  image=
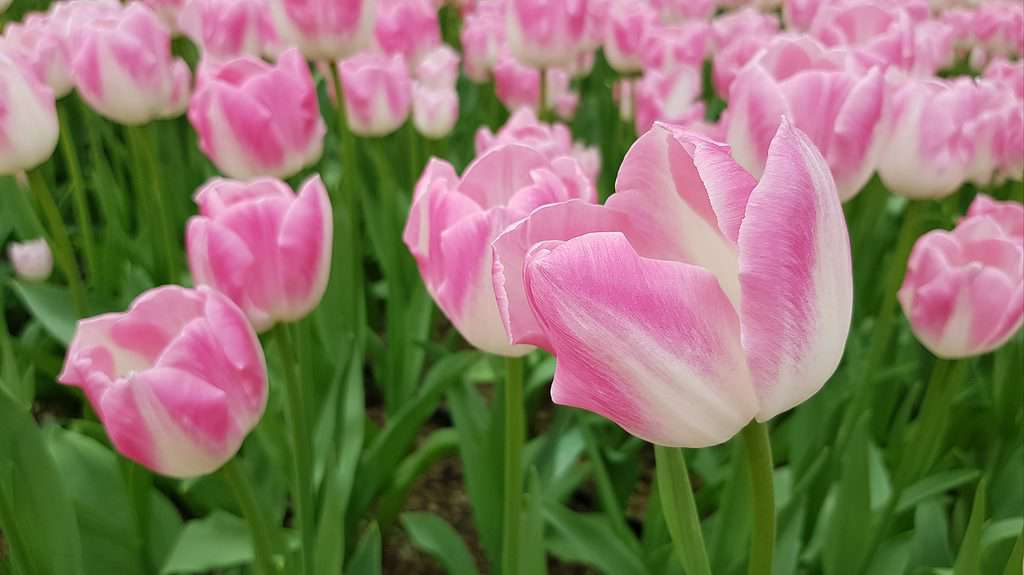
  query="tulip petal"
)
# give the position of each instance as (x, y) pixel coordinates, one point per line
(795, 275)
(756, 104)
(494, 177)
(305, 244)
(652, 345)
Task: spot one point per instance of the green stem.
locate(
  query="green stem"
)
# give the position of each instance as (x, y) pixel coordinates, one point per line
(262, 533)
(67, 147)
(164, 216)
(542, 107)
(62, 250)
(140, 484)
(680, 510)
(514, 436)
(302, 461)
(759, 455)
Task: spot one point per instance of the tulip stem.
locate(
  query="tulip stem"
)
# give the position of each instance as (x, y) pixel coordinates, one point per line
(679, 509)
(542, 106)
(141, 140)
(262, 533)
(514, 435)
(302, 466)
(759, 454)
(67, 147)
(62, 250)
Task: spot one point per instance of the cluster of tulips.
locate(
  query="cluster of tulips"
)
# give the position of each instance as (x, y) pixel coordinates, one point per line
(692, 206)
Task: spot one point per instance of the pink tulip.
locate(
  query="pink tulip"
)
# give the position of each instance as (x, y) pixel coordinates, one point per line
(669, 48)
(675, 11)
(124, 69)
(999, 28)
(794, 76)
(697, 299)
(28, 118)
(32, 260)
(483, 39)
(439, 68)
(263, 246)
(625, 35)
(408, 27)
(546, 33)
(671, 97)
(178, 380)
(378, 93)
(453, 221)
(551, 140)
(325, 29)
(1007, 74)
(799, 14)
(964, 290)
(434, 110)
(167, 10)
(226, 29)
(518, 86)
(38, 41)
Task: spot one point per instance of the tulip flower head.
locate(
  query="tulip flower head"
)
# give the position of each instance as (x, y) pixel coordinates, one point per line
(453, 221)
(257, 119)
(263, 246)
(178, 380)
(32, 260)
(625, 33)
(325, 29)
(226, 29)
(483, 39)
(39, 42)
(964, 289)
(697, 299)
(546, 33)
(408, 27)
(28, 118)
(378, 93)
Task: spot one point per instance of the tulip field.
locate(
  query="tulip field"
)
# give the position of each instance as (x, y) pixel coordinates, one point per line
(512, 287)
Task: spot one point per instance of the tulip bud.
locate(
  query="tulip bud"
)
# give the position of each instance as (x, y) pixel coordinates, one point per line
(483, 38)
(124, 69)
(38, 41)
(378, 93)
(325, 29)
(263, 246)
(434, 110)
(257, 119)
(407, 27)
(964, 289)
(439, 68)
(668, 98)
(28, 118)
(32, 260)
(546, 33)
(178, 380)
(226, 29)
(625, 34)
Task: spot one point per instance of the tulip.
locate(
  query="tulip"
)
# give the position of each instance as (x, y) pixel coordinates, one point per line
(737, 38)
(378, 93)
(670, 48)
(226, 29)
(32, 260)
(794, 77)
(256, 119)
(178, 380)
(546, 33)
(434, 110)
(28, 118)
(483, 38)
(408, 27)
(124, 69)
(453, 221)
(675, 11)
(551, 140)
(1008, 74)
(697, 299)
(38, 41)
(516, 84)
(964, 290)
(167, 10)
(325, 29)
(799, 14)
(439, 68)
(669, 97)
(625, 34)
(263, 246)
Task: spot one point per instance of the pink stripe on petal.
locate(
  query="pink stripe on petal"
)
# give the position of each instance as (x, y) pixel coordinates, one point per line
(305, 245)
(795, 275)
(653, 345)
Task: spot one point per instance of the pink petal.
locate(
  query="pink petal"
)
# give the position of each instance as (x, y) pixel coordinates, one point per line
(495, 176)
(305, 247)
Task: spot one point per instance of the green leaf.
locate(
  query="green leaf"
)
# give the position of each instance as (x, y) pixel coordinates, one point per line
(847, 536)
(968, 560)
(933, 485)
(366, 559)
(434, 536)
(930, 544)
(590, 539)
(534, 561)
(52, 306)
(36, 506)
(218, 541)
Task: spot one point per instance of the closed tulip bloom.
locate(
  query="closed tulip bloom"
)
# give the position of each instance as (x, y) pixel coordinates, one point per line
(625, 33)
(670, 48)
(378, 93)
(434, 110)
(39, 42)
(28, 118)
(408, 27)
(325, 29)
(483, 39)
(178, 380)
(439, 68)
(1008, 74)
(257, 119)
(167, 10)
(796, 77)
(226, 29)
(454, 220)
(671, 97)
(516, 84)
(32, 260)
(675, 11)
(546, 33)
(964, 290)
(697, 299)
(263, 246)
(123, 68)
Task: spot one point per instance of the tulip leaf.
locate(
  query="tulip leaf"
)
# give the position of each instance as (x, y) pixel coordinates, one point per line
(847, 539)
(52, 306)
(434, 536)
(35, 503)
(366, 559)
(218, 541)
(590, 539)
(936, 484)
(533, 560)
(968, 560)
